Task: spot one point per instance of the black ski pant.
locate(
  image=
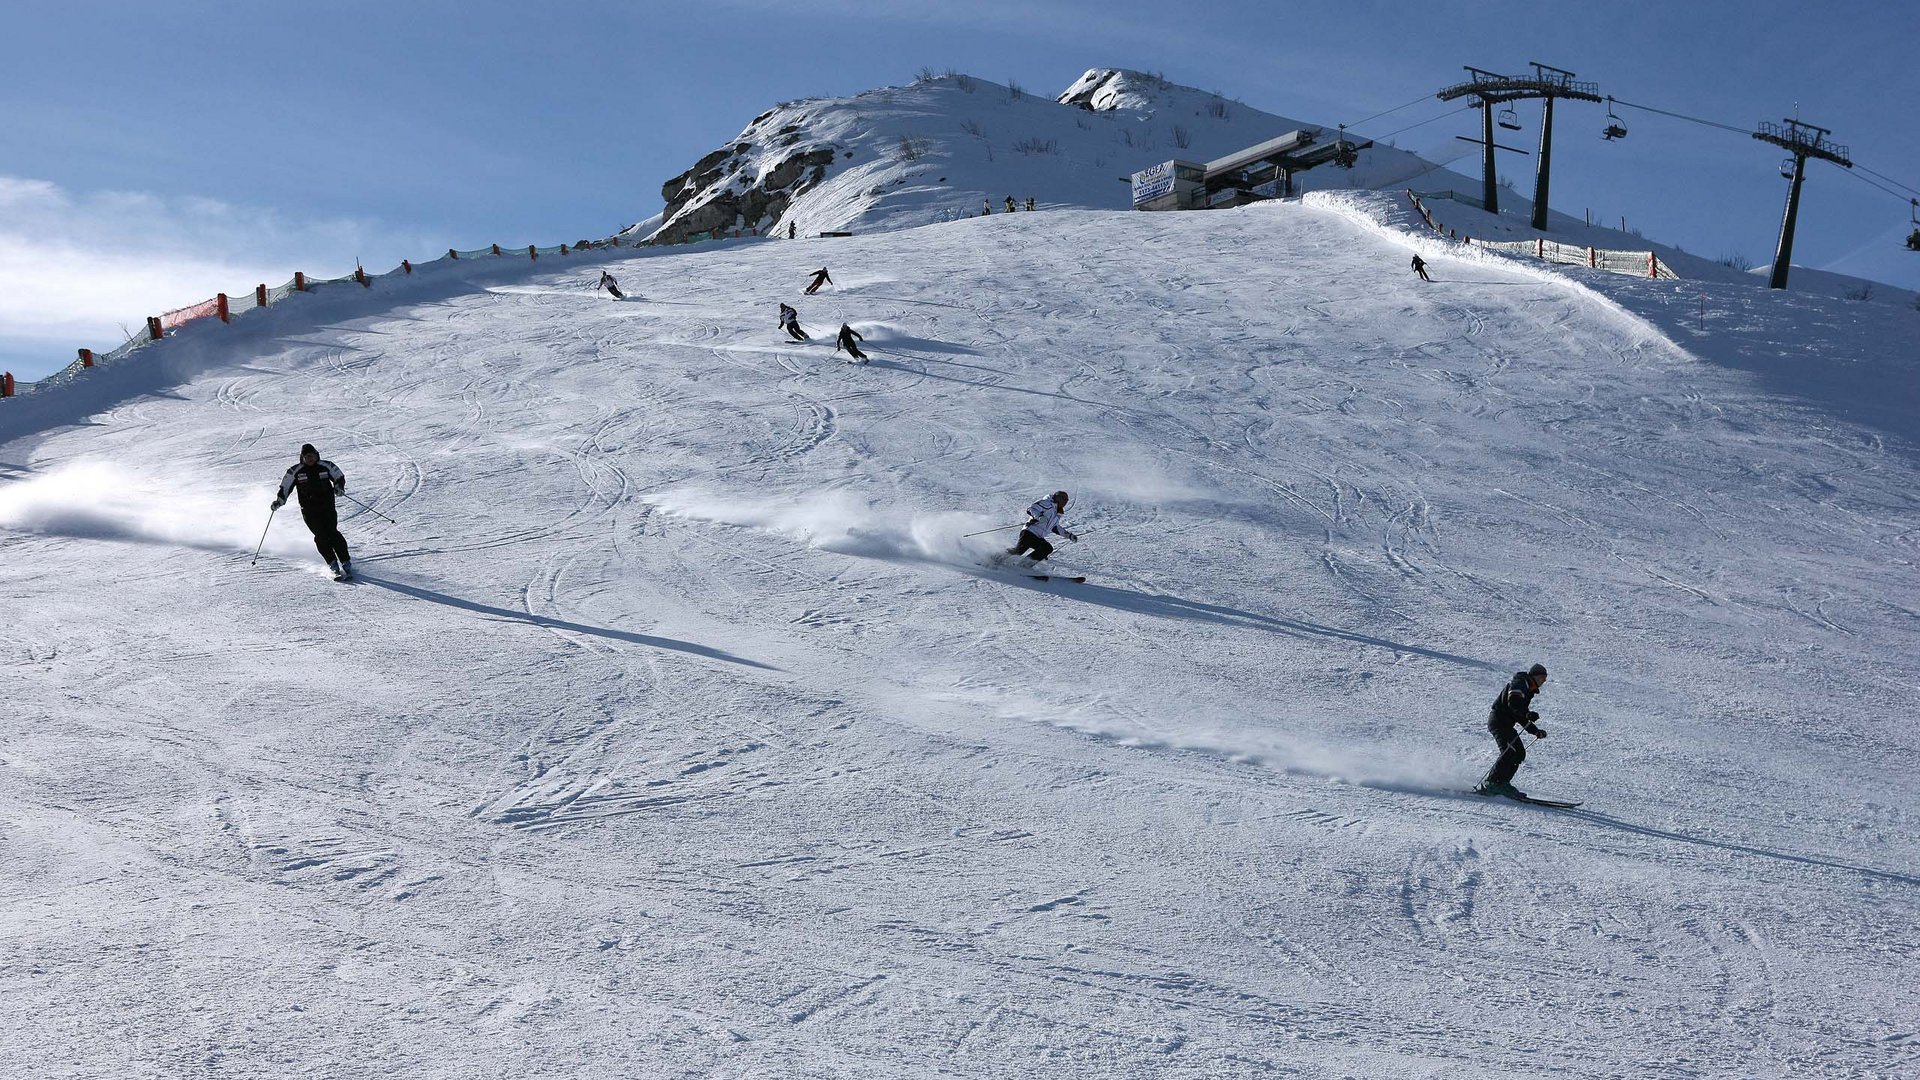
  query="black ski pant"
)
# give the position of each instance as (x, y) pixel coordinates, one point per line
(1513, 751)
(324, 522)
(1029, 542)
(797, 334)
(854, 351)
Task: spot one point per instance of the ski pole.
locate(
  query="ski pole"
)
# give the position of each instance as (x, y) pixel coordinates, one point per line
(368, 509)
(263, 535)
(984, 532)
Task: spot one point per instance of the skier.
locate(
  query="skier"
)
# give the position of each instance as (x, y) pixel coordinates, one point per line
(1510, 711)
(791, 231)
(986, 208)
(820, 277)
(1043, 520)
(1913, 240)
(790, 321)
(1420, 267)
(318, 482)
(1029, 202)
(846, 341)
(1010, 207)
(608, 283)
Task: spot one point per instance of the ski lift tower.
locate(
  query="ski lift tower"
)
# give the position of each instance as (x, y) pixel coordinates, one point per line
(1546, 83)
(1794, 137)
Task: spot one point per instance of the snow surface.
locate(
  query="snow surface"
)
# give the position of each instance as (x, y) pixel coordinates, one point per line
(676, 729)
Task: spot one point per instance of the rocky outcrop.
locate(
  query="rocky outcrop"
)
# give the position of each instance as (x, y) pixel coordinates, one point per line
(722, 191)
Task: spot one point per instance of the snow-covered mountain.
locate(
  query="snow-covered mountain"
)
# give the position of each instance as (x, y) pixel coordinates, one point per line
(949, 146)
(681, 726)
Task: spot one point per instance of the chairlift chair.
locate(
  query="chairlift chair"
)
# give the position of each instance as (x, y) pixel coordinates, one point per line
(1786, 168)
(1615, 128)
(1913, 216)
(1508, 119)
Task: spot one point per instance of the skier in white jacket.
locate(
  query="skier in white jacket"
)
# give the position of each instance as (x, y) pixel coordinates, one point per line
(1043, 520)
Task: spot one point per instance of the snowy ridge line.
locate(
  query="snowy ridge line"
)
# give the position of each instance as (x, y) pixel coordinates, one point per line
(1610, 260)
(226, 306)
(1374, 212)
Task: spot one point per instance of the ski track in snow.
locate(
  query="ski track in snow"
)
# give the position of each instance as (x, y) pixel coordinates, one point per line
(674, 730)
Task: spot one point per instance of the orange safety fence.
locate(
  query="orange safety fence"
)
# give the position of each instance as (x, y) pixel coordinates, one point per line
(227, 305)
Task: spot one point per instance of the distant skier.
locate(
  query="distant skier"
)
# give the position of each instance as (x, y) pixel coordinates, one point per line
(608, 283)
(791, 231)
(318, 482)
(1029, 202)
(1511, 710)
(1420, 267)
(986, 208)
(848, 335)
(820, 277)
(790, 322)
(1010, 206)
(1043, 520)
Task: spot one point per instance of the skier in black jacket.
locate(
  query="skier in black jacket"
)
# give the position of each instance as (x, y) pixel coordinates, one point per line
(820, 277)
(1512, 710)
(790, 321)
(317, 482)
(848, 335)
(609, 283)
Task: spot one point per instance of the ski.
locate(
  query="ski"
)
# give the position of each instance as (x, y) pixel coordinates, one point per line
(1552, 804)
(1058, 577)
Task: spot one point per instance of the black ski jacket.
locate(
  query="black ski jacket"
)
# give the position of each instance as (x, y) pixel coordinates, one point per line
(1513, 707)
(317, 483)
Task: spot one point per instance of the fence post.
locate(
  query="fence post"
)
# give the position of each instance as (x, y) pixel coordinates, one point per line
(533, 253)
(299, 281)
(6, 384)
(407, 266)
(1653, 265)
(86, 358)
(1593, 257)
(360, 275)
(452, 254)
(153, 328)
(224, 315)
(1539, 248)
(563, 249)
(496, 249)
(260, 295)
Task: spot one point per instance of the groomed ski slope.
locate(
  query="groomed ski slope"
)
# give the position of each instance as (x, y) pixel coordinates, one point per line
(674, 730)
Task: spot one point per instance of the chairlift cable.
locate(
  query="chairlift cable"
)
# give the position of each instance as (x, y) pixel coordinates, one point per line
(1684, 116)
(1422, 123)
(1902, 196)
(1862, 168)
(1395, 109)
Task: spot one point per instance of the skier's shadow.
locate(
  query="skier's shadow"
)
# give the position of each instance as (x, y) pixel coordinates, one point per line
(1163, 605)
(560, 624)
(1740, 849)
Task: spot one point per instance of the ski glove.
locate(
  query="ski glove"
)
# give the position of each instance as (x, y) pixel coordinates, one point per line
(1538, 732)
(1532, 716)
(278, 503)
(1070, 534)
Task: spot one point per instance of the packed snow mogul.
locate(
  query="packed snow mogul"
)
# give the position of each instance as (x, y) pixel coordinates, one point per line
(1513, 710)
(790, 322)
(1043, 520)
(820, 277)
(1420, 267)
(318, 482)
(608, 283)
(848, 335)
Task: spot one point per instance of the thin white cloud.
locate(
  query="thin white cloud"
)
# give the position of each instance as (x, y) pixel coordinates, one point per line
(76, 268)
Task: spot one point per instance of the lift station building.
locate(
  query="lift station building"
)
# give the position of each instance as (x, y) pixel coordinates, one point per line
(1262, 171)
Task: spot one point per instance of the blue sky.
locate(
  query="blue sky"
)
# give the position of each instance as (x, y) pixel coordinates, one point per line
(155, 153)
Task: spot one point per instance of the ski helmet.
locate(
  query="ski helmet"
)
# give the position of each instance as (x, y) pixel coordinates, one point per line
(307, 448)
(1538, 671)
(1060, 497)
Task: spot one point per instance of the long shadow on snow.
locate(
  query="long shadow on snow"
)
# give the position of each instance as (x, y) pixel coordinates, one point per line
(560, 624)
(1739, 849)
(1166, 606)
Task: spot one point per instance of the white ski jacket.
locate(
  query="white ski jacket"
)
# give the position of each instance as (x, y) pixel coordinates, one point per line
(1046, 519)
